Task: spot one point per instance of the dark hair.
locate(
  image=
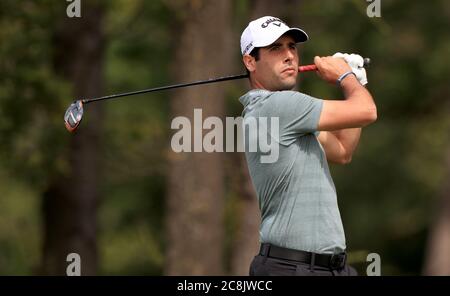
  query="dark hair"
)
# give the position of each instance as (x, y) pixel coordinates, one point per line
(254, 53)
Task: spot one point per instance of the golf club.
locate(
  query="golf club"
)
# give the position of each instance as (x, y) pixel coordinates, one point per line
(74, 113)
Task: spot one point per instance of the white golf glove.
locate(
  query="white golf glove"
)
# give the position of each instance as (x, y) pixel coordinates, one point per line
(356, 62)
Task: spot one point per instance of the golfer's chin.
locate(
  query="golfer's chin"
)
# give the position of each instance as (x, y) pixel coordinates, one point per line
(287, 83)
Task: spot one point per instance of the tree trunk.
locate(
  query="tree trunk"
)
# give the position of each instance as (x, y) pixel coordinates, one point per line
(245, 244)
(438, 250)
(195, 201)
(70, 202)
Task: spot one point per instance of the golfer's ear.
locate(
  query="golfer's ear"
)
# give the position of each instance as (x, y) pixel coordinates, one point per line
(249, 62)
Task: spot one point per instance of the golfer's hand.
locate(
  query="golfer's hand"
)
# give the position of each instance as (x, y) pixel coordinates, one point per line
(330, 68)
(356, 62)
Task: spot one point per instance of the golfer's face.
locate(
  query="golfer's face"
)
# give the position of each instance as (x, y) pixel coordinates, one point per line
(277, 67)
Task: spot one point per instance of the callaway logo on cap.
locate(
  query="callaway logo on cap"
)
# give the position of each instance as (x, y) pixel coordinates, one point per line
(265, 31)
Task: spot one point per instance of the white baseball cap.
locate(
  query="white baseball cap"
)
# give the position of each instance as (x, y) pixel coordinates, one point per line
(265, 31)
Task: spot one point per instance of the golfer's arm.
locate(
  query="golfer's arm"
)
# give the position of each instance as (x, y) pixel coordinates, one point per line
(341, 121)
(357, 110)
(340, 145)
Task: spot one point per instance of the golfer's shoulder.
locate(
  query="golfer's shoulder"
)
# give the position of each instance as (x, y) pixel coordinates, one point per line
(289, 97)
(277, 103)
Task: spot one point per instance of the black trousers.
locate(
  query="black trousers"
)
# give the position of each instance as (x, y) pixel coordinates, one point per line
(267, 266)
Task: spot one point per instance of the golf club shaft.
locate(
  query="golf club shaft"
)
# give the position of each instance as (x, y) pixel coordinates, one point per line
(220, 79)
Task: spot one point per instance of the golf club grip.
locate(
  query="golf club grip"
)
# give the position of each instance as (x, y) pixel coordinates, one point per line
(307, 68)
(313, 67)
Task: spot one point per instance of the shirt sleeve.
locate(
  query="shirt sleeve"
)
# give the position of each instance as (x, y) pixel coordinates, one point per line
(298, 114)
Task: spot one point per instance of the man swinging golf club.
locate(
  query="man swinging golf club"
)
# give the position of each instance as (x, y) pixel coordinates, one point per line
(301, 231)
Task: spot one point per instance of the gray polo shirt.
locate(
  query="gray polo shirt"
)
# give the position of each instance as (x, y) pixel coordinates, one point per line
(296, 193)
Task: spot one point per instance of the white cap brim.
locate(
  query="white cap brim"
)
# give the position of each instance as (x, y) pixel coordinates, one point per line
(298, 34)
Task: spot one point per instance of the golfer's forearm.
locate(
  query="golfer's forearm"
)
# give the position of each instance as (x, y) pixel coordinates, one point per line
(359, 98)
(349, 139)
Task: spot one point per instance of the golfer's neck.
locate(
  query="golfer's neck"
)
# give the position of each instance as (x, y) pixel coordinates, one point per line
(255, 84)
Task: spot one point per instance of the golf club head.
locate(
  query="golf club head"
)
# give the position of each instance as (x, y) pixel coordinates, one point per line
(73, 115)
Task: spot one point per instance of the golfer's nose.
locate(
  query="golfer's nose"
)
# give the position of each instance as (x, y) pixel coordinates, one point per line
(288, 55)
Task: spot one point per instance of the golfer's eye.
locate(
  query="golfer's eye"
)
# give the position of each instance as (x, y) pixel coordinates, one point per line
(275, 47)
(293, 46)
